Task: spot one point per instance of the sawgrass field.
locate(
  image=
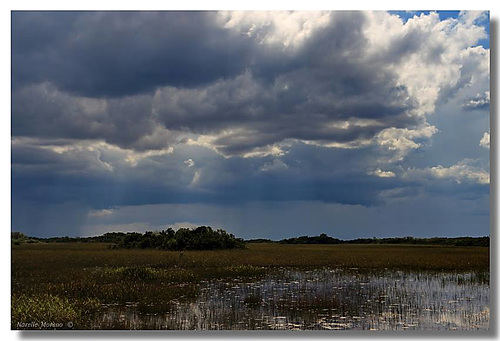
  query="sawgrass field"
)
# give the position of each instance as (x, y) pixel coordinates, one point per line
(71, 284)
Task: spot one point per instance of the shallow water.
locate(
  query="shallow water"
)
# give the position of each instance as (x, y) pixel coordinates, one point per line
(323, 299)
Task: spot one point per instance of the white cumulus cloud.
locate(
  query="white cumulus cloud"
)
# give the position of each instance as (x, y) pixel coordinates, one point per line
(485, 140)
(464, 171)
(382, 174)
(402, 140)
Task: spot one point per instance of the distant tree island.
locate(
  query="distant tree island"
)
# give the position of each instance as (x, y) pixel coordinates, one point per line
(458, 241)
(200, 238)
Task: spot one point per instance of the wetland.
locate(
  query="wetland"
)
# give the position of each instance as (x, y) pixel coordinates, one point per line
(261, 287)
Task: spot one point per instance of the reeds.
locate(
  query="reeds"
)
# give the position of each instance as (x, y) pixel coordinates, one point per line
(83, 283)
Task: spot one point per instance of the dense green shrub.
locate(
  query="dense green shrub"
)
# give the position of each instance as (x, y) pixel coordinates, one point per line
(18, 238)
(201, 238)
(321, 239)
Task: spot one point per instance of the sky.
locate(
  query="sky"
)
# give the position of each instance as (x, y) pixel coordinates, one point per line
(265, 124)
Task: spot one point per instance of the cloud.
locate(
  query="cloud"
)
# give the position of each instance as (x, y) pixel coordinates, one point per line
(401, 141)
(44, 111)
(274, 166)
(96, 173)
(465, 170)
(424, 40)
(115, 54)
(469, 18)
(485, 140)
(285, 30)
(100, 213)
(478, 102)
(189, 163)
(196, 178)
(444, 216)
(102, 175)
(382, 174)
(61, 158)
(220, 109)
(241, 83)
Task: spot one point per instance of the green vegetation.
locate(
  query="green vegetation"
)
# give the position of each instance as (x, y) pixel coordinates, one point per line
(459, 241)
(324, 239)
(18, 238)
(205, 238)
(201, 238)
(321, 239)
(48, 309)
(259, 240)
(111, 237)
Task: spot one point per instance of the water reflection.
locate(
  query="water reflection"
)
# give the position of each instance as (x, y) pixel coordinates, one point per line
(323, 299)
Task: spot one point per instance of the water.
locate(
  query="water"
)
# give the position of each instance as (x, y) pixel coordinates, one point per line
(323, 300)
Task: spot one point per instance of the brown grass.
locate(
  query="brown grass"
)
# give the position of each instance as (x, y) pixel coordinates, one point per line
(46, 277)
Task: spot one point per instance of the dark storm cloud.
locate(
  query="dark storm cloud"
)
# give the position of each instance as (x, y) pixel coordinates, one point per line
(33, 161)
(78, 180)
(110, 54)
(43, 111)
(330, 45)
(99, 178)
(296, 94)
(307, 104)
(208, 79)
(116, 109)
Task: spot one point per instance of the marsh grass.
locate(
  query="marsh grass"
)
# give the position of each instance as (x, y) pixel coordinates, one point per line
(78, 282)
(48, 308)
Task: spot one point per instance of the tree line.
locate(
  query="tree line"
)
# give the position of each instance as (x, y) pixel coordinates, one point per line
(200, 238)
(324, 239)
(206, 238)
